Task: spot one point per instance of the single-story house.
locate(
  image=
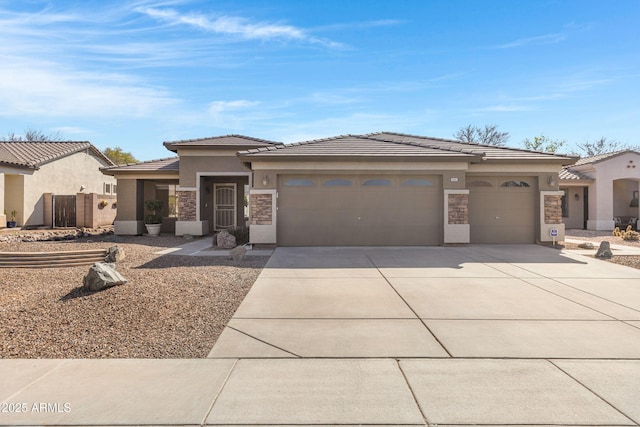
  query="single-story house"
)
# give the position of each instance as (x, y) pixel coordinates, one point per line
(601, 192)
(374, 189)
(34, 174)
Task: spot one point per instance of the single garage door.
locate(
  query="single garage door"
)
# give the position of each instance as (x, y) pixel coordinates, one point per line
(502, 209)
(359, 210)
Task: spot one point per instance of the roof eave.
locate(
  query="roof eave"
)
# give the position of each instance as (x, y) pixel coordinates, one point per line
(263, 156)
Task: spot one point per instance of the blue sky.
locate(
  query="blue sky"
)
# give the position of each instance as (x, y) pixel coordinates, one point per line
(136, 73)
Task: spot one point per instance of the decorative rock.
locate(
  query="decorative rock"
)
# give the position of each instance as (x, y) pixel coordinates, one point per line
(102, 275)
(238, 253)
(586, 245)
(115, 254)
(604, 251)
(226, 240)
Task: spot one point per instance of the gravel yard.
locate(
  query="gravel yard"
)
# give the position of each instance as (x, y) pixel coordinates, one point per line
(172, 307)
(598, 236)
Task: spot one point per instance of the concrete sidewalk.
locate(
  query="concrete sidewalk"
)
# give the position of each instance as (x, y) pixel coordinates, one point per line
(484, 335)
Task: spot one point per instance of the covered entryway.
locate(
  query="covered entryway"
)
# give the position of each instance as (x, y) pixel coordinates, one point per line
(359, 210)
(502, 209)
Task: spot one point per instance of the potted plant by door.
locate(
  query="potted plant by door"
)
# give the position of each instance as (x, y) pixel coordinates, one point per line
(12, 223)
(153, 220)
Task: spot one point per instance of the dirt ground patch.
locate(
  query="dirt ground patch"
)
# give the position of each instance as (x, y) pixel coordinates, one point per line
(172, 307)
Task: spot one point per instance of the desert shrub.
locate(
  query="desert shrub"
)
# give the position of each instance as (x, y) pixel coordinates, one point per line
(241, 234)
(630, 235)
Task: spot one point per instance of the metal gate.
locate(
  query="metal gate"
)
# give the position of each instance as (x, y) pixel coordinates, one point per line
(64, 211)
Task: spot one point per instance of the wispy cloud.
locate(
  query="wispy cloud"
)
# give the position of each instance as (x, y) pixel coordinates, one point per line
(50, 90)
(234, 26)
(535, 41)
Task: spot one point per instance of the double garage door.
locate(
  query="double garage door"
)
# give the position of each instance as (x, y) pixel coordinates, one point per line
(359, 210)
(399, 210)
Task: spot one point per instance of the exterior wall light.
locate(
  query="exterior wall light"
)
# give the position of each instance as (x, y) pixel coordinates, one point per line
(265, 180)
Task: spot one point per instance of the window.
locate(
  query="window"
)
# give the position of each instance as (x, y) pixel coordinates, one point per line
(377, 183)
(520, 184)
(299, 182)
(417, 182)
(107, 188)
(114, 187)
(479, 184)
(337, 183)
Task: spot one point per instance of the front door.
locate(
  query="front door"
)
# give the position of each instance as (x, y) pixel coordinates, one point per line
(224, 206)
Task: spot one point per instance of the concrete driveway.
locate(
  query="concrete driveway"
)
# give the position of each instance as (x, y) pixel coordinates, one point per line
(477, 335)
(482, 335)
(520, 301)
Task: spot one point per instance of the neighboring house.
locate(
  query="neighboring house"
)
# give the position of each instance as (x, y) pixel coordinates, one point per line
(32, 173)
(374, 189)
(601, 192)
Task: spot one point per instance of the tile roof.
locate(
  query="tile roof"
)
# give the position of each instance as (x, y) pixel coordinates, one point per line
(354, 145)
(390, 145)
(567, 174)
(487, 152)
(33, 154)
(220, 141)
(602, 157)
(169, 164)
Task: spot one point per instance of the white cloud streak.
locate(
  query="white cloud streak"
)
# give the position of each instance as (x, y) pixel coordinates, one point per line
(535, 41)
(234, 26)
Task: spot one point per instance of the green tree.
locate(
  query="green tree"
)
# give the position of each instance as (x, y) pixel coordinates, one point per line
(118, 156)
(544, 143)
(489, 135)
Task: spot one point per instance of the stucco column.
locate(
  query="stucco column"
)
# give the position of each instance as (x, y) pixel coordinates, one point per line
(551, 216)
(456, 216)
(601, 205)
(129, 217)
(262, 207)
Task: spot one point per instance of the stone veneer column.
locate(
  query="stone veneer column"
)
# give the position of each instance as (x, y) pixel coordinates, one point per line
(186, 205)
(551, 216)
(552, 209)
(261, 209)
(456, 216)
(458, 209)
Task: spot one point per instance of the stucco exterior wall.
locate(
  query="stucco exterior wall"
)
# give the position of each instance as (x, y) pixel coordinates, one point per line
(64, 176)
(3, 217)
(13, 196)
(601, 200)
(191, 165)
(575, 207)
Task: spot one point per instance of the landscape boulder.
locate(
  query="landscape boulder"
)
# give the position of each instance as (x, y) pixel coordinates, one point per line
(225, 240)
(115, 254)
(604, 251)
(586, 245)
(102, 275)
(238, 253)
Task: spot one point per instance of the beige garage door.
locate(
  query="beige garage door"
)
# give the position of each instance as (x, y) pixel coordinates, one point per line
(502, 209)
(322, 210)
